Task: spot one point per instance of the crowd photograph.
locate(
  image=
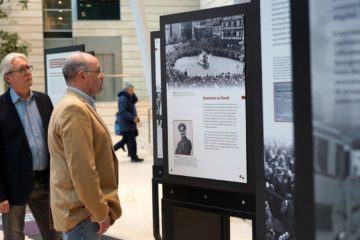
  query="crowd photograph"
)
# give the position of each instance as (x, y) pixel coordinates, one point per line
(208, 53)
(279, 190)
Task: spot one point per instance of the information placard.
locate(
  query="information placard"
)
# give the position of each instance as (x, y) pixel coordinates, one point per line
(205, 82)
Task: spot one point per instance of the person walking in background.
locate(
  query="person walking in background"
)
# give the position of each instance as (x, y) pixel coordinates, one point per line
(24, 156)
(127, 118)
(84, 168)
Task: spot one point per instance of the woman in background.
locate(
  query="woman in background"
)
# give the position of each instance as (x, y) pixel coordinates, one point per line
(127, 119)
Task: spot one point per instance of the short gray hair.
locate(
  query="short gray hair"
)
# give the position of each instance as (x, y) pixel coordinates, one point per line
(6, 63)
(128, 85)
(73, 64)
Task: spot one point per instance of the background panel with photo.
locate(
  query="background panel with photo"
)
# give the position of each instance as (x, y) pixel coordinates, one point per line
(279, 160)
(335, 62)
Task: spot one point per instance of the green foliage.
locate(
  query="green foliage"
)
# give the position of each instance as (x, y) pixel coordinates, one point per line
(11, 42)
(23, 4)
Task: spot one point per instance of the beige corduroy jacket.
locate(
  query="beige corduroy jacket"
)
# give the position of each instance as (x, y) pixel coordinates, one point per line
(83, 165)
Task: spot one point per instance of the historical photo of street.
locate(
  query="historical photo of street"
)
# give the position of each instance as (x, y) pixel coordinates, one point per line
(206, 53)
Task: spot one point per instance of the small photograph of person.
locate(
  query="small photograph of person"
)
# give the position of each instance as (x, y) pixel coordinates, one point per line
(183, 137)
(158, 109)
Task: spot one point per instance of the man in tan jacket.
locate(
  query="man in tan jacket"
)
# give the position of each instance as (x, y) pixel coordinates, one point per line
(83, 166)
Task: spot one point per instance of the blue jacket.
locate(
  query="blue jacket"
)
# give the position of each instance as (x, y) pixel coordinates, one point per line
(126, 111)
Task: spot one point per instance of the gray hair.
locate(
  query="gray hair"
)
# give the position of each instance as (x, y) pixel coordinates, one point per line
(73, 64)
(6, 63)
(128, 85)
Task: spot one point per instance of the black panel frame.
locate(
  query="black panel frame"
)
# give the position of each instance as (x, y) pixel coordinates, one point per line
(304, 190)
(253, 95)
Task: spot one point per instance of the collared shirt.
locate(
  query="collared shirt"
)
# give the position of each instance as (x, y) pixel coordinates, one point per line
(90, 100)
(31, 120)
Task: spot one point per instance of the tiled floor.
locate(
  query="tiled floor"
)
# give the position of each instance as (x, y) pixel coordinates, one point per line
(135, 191)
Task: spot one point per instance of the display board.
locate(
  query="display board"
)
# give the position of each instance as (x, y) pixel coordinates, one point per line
(205, 81)
(54, 79)
(326, 69)
(156, 101)
(279, 161)
(210, 72)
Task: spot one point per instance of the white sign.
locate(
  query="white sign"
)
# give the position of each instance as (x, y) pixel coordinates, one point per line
(206, 113)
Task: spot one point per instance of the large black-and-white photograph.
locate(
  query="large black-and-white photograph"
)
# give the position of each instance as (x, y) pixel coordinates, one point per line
(279, 182)
(335, 112)
(206, 53)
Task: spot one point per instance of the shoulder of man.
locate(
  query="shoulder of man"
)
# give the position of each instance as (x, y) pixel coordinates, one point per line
(5, 98)
(40, 94)
(43, 97)
(2, 97)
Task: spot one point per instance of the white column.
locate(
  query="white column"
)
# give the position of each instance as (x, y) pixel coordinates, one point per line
(143, 39)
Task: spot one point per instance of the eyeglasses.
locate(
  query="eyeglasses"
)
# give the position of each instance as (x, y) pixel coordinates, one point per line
(22, 70)
(98, 71)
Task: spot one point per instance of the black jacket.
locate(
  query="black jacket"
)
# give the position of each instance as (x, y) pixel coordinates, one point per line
(126, 111)
(16, 167)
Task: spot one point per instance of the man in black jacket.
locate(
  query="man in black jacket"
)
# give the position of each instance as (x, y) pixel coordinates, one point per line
(127, 118)
(24, 156)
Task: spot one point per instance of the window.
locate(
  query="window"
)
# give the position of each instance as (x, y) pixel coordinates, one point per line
(57, 18)
(342, 162)
(321, 155)
(98, 9)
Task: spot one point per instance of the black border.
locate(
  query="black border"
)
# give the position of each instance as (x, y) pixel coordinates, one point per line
(154, 35)
(48, 51)
(253, 94)
(157, 168)
(304, 171)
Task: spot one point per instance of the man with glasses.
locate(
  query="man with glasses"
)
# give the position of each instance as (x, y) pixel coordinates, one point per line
(84, 168)
(24, 156)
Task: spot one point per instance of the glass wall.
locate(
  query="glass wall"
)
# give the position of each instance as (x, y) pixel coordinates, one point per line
(57, 18)
(98, 9)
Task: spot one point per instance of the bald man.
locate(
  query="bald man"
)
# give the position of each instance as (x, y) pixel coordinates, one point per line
(84, 168)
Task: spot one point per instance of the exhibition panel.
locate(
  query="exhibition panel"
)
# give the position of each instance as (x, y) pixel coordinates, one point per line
(278, 187)
(211, 82)
(326, 89)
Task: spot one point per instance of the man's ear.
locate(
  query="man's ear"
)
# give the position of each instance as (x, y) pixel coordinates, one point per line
(6, 79)
(80, 74)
